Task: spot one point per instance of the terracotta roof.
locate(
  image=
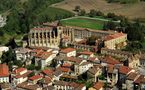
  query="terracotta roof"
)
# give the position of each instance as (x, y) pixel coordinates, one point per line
(64, 69)
(132, 76)
(66, 65)
(140, 79)
(4, 70)
(47, 80)
(85, 63)
(114, 36)
(110, 60)
(61, 83)
(48, 71)
(92, 58)
(43, 55)
(98, 85)
(26, 86)
(67, 50)
(94, 70)
(74, 60)
(124, 69)
(23, 75)
(19, 70)
(35, 77)
(110, 68)
(86, 53)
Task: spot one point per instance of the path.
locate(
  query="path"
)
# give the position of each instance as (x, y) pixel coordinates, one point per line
(101, 19)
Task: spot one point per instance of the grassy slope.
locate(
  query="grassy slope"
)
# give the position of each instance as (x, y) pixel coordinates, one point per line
(84, 23)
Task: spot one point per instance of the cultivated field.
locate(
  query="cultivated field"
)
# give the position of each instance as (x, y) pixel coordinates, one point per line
(129, 10)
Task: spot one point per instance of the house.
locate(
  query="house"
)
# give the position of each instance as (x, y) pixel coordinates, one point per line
(64, 69)
(34, 79)
(28, 86)
(68, 52)
(142, 60)
(4, 73)
(5, 86)
(85, 54)
(139, 82)
(94, 60)
(81, 67)
(134, 61)
(20, 75)
(94, 72)
(48, 72)
(116, 53)
(130, 80)
(22, 54)
(112, 74)
(123, 72)
(110, 60)
(97, 86)
(115, 41)
(62, 85)
(44, 58)
(46, 81)
(57, 74)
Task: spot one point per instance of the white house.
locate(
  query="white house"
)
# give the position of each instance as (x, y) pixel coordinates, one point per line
(68, 52)
(4, 73)
(86, 54)
(22, 53)
(20, 75)
(82, 67)
(44, 58)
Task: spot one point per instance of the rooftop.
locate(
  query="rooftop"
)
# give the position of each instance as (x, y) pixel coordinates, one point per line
(19, 70)
(67, 50)
(4, 70)
(114, 36)
(35, 77)
(110, 60)
(98, 85)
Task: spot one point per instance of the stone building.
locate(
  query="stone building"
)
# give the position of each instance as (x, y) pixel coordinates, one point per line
(115, 41)
(52, 35)
(44, 37)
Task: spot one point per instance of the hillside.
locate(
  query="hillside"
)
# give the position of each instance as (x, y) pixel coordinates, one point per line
(25, 14)
(135, 10)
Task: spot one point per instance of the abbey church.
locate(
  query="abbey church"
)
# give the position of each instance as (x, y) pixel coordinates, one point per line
(51, 34)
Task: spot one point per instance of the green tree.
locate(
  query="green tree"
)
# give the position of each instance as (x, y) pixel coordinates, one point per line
(77, 8)
(82, 12)
(92, 13)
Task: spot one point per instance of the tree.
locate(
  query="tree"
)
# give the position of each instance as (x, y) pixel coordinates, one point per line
(31, 74)
(135, 32)
(12, 43)
(82, 12)
(77, 8)
(110, 25)
(92, 40)
(8, 56)
(92, 13)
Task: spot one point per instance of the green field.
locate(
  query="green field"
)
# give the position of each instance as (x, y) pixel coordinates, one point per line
(84, 23)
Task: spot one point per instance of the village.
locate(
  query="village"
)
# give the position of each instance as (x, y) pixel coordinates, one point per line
(57, 57)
